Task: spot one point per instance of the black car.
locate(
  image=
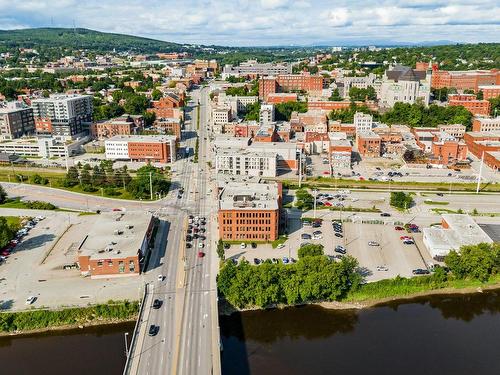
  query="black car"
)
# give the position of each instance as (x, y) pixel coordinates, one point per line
(179, 196)
(339, 235)
(439, 194)
(385, 214)
(305, 236)
(226, 246)
(340, 250)
(256, 261)
(189, 231)
(191, 217)
(254, 245)
(189, 238)
(195, 236)
(157, 303)
(188, 245)
(316, 224)
(420, 271)
(202, 237)
(337, 229)
(153, 330)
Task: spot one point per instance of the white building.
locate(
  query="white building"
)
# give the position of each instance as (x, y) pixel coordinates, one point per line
(456, 230)
(236, 161)
(254, 68)
(363, 122)
(221, 115)
(266, 114)
(116, 148)
(42, 147)
(485, 124)
(237, 104)
(405, 85)
(287, 153)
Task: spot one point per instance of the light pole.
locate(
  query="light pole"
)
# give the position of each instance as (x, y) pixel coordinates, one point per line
(315, 192)
(126, 344)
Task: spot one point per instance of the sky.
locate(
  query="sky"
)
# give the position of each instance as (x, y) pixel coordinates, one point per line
(267, 22)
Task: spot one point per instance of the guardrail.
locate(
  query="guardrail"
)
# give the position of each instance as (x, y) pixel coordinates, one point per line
(136, 331)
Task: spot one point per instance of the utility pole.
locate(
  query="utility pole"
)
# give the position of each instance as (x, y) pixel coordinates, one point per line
(300, 169)
(480, 174)
(151, 184)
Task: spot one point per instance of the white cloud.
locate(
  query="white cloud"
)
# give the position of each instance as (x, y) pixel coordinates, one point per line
(267, 22)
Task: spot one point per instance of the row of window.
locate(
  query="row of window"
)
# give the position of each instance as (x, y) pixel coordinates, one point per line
(246, 214)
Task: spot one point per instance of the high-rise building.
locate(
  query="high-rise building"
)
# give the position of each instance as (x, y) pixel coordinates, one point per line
(62, 115)
(16, 120)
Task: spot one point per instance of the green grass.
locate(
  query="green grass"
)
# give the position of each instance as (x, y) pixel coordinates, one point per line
(41, 319)
(281, 239)
(402, 287)
(330, 183)
(438, 203)
(18, 203)
(440, 211)
(13, 203)
(13, 222)
(87, 213)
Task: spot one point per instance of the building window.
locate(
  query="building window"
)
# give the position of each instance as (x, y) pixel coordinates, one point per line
(110, 263)
(131, 266)
(99, 263)
(121, 266)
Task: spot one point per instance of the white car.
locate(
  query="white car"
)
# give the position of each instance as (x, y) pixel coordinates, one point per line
(280, 246)
(201, 245)
(30, 300)
(160, 277)
(373, 243)
(382, 268)
(243, 245)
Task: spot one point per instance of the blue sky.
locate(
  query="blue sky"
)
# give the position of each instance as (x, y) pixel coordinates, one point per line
(267, 22)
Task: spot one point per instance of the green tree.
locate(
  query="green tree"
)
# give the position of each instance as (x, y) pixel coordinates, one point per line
(304, 200)
(6, 232)
(85, 177)
(475, 261)
(71, 177)
(401, 200)
(156, 94)
(3, 195)
(310, 250)
(335, 96)
(220, 250)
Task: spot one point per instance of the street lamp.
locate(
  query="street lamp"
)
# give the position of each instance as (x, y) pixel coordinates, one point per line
(126, 344)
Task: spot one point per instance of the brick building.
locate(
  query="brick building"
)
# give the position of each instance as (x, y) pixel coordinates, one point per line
(469, 101)
(369, 144)
(249, 211)
(490, 91)
(465, 80)
(312, 84)
(116, 244)
(484, 124)
(479, 142)
(144, 148)
(168, 106)
(169, 125)
(123, 125)
(447, 150)
(281, 97)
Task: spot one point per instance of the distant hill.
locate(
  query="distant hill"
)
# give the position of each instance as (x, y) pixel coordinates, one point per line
(83, 39)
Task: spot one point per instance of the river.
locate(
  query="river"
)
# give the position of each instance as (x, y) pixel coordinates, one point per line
(456, 334)
(93, 350)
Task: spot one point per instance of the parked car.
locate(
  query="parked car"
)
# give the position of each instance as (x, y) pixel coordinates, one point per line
(340, 249)
(30, 300)
(188, 245)
(256, 261)
(160, 277)
(373, 243)
(243, 245)
(226, 245)
(305, 236)
(399, 228)
(385, 214)
(286, 260)
(201, 245)
(317, 233)
(382, 268)
(420, 271)
(201, 254)
(280, 246)
(157, 303)
(153, 330)
(339, 235)
(254, 245)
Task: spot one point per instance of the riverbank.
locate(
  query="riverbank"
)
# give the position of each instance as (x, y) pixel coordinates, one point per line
(362, 299)
(38, 321)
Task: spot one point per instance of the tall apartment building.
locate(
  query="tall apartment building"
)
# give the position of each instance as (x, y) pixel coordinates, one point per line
(266, 114)
(123, 125)
(485, 124)
(241, 162)
(144, 148)
(406, 85)
(312, 84)
(62, 115)
(249, 211)
(363, 122)
(16, 120)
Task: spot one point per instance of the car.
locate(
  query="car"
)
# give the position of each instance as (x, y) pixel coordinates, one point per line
(286, 260)
(340, 249)
(191, 217)
(188, 245)
(243, 245)
(420, 271)
(189, 231)
(195, 230)
(254, 245)
(339, 235)
(306, 223)
(317, 224)
(305, 236)
(405, 238)
(408, 242)
(317, 233)
(189, 238)
(201, 254)
(440, 194)
(373, 243)
(450, 174)
(179, 196)
(256, 261)
(202, 237)
(157, 303)
(399, 228)
(337, 229)
(378, 168)
(153, 330)
(226, 245)
(382, 268)
(30, 300)
(201, 245)
(160, 277)
(195, 235)
(385, 214)
(280, 246)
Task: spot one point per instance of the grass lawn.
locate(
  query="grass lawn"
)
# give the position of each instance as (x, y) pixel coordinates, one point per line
(14, 203)
(281, 239)
(436, 203)
(13, 221)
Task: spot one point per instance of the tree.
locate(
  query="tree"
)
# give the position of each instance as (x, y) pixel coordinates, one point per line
(85, 178)
(140, 186)
(3, 195)
(98, 177)
(149, 118)
(71, 177)
(6, 232)
(284, 110)
(401, 200)
(156, 94)
(310, 250)
(304, 200)
(475, 261)
(220, 250)
(335, 96)
(136, 104)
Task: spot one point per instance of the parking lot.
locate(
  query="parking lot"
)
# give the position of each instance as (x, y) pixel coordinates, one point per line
(394, 257)
(36, 267)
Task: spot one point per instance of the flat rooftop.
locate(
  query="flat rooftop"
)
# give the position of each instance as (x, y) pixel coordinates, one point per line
(468, 231)
(142, 138)
(249, 196)
(115, 235)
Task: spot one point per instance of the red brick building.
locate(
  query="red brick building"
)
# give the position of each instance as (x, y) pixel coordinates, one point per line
(281, 97)
(169, 125)
(369, 144)
(490, 92)
(448, 151)
(123, 125)
(484, 124)
(312, 84)
(469, 101)
(464, 80)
